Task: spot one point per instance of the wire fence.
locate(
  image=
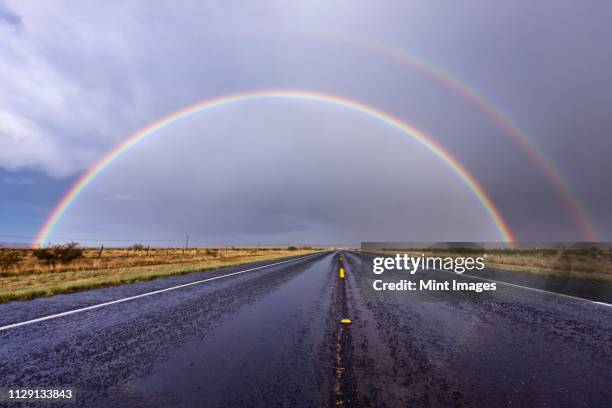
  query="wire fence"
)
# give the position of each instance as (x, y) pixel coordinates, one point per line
(21, 241)
(15, 260)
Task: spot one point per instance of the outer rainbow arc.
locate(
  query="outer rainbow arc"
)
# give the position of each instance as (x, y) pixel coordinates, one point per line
(578, 213)
(416, 134)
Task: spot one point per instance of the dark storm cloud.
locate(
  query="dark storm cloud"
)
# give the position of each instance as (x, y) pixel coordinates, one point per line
(80, 77)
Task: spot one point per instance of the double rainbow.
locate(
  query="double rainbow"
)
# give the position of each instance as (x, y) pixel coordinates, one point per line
(452, 163)
(528, 145)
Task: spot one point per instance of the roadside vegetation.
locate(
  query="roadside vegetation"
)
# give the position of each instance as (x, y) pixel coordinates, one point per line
(30, 273)
(576, 263)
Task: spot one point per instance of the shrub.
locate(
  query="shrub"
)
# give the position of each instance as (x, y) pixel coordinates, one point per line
(69, 252)
(138, 247)
(59, 253)
(292, 248)
(45, 254)
(9, 258)
(211, 252)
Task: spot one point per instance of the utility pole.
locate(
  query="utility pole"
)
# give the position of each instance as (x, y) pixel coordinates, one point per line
(186, 243)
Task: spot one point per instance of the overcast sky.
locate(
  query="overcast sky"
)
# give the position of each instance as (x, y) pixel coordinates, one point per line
(78, 77)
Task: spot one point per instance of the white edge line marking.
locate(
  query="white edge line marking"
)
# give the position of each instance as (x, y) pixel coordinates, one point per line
(537, 290)
(113, 302)
(517, 286)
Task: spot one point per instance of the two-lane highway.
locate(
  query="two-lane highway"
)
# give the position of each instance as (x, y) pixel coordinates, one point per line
(515, 347)
(270, 335)
(249, 339)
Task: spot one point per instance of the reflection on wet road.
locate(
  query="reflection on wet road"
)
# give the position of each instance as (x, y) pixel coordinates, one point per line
(445, 349)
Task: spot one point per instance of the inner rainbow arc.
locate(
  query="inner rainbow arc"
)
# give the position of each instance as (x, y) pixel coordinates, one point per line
(453, 164)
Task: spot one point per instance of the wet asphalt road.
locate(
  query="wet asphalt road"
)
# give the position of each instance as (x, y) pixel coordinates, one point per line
(272, 337)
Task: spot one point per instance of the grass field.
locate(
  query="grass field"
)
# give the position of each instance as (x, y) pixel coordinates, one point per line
(29, 278)
(592, 264)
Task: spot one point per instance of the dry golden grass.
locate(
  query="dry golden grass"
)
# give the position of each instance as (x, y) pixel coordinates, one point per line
(564, 265)
(111, 258)
(580, 263)
(31, 278)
